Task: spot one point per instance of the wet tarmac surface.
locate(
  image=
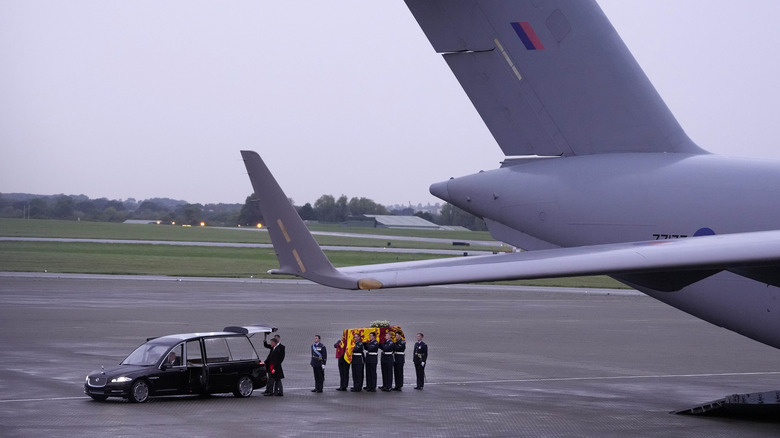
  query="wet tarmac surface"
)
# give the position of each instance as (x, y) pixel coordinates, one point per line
(504, 361)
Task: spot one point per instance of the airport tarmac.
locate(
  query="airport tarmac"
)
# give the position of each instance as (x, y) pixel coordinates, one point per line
(504, 361)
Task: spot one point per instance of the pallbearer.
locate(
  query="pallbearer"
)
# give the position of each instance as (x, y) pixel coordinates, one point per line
(399, 353)
(357, 365)
(387, 362)
(372, 349)
(340, 350)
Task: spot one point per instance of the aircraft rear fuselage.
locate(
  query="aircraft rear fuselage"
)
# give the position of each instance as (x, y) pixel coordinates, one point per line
(609, 198)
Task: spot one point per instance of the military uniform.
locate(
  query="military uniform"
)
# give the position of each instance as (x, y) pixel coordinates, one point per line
(387, 365)
(319, 355)
(372, 348)
(343, 367)
(357, 366)
(399, 358)
(419, 359)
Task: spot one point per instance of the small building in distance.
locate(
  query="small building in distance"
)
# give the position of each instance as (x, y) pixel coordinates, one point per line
(142, 221)
(414, 222)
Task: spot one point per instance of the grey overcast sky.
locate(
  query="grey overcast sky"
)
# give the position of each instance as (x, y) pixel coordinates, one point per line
(153, 98)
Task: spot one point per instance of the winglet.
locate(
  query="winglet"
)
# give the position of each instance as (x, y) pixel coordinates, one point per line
(297, 251)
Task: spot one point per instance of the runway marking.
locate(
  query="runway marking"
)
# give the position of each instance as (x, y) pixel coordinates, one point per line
(482, 382)
(574, 379)
(19, 400)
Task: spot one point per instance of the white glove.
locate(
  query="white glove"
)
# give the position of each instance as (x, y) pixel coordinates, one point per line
(323, 366)
(422, 363)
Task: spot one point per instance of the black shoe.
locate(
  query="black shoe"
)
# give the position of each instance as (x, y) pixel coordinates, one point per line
(385, 390)
(354, 390)
(396, 389)
(418, 387)
(371, 390)
(279, 395)
(341, 389)
(313, 390)
(319, 390)
(266, 394)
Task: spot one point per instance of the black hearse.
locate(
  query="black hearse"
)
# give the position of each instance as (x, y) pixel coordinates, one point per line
(191, 363)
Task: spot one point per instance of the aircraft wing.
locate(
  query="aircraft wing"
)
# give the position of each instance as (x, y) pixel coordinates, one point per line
(691, 259)
(683, 261)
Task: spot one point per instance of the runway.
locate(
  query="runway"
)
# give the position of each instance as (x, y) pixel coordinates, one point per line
(504, 361)
(253, 245)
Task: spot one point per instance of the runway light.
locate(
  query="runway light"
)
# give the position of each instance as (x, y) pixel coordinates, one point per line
(173, 223)
(202, 224)
(259, 225)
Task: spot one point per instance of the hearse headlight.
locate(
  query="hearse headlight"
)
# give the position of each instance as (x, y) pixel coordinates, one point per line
(122, 379)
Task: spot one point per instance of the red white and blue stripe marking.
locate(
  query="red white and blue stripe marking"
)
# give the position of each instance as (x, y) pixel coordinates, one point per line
(527, 35)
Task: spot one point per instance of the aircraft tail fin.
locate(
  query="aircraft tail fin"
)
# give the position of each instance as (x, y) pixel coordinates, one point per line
(297, 251)
(550, 78)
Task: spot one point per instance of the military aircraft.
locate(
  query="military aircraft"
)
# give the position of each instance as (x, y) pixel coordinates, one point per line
(599, 177)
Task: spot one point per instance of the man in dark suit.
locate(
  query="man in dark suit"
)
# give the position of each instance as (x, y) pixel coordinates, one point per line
(319, 355)
(173, 360)
(273, 365)
(268, 346)
(420, 356)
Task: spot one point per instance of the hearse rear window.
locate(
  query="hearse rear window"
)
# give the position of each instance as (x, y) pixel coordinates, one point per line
(241, 349)
(216, 350)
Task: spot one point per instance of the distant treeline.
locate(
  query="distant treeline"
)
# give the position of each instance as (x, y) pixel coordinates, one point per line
(326, 209)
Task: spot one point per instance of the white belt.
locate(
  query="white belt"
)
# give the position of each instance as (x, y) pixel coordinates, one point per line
(372, 353)
(388, 352)
(399, 352)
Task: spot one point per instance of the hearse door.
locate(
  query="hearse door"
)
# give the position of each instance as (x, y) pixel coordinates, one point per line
(197, 372)
(222, 373)
(172, 377)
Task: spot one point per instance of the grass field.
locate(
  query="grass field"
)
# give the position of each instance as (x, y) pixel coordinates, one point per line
(202, 261)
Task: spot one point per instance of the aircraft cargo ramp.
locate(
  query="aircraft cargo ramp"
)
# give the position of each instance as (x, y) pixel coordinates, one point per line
(754, 404)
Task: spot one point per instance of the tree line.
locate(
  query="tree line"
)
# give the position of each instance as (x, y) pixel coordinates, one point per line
(327, 209)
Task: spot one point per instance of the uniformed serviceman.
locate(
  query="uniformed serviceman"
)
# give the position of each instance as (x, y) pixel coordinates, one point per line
(341, 352)
(372, 348)
(387, 362)
(357, 365)
(399, 353)
(319, 355)
(420, 356)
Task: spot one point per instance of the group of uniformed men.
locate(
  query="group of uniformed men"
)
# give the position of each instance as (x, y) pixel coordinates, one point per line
(365, 355)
